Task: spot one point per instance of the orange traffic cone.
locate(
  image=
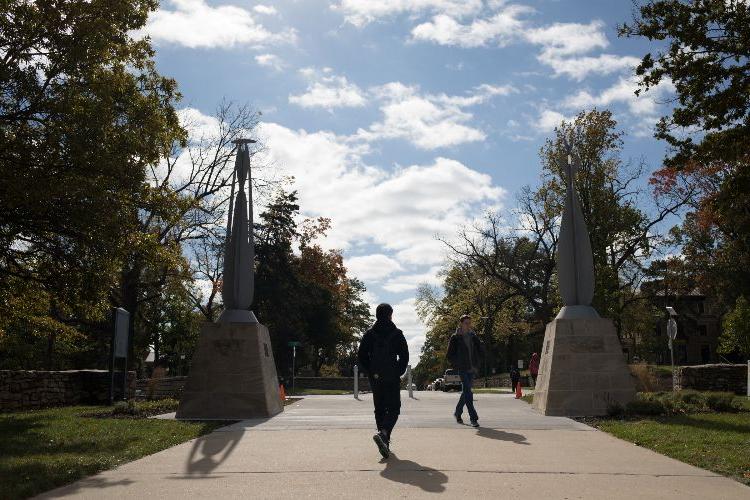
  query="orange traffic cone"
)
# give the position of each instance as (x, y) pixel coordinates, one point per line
(519, 394)
(282, 392)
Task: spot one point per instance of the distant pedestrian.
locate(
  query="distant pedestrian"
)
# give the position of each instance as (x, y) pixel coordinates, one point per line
(534, 367)
(465, 352)
(384, 355)
(515, 378)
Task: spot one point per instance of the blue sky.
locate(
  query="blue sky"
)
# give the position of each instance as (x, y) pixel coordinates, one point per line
(404, 119)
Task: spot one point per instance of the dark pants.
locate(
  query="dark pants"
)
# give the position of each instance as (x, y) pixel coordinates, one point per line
(467, 396)
(387, 399)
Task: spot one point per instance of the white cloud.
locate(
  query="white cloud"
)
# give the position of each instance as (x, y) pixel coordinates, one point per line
(623, 91)
(568, 39)
(271, 61)
(578, 68)
(267, 10)
(410, 282)
(548, 120)
(328, 91)
(362, 12)
(373, 267)
(396, 211)
(195, 24)
(498, 29)
(428, 121)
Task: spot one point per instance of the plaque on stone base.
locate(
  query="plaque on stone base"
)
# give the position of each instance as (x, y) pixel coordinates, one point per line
(582, 370)
(232, 376)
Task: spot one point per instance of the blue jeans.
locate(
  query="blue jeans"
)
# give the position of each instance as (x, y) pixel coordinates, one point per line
(467, 397)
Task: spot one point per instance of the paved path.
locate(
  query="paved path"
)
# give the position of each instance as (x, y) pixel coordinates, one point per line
(321, 447)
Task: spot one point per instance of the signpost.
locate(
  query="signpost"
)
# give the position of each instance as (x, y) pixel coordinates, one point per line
(672, 334)
(356, 382)
(293, 344)
(408, 382)
(120, 340)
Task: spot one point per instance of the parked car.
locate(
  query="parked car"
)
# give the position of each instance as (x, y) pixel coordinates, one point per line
(451, 380)
(438, 384)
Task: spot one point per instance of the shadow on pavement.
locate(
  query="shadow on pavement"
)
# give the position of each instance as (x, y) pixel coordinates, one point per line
(408, 472)
(83, 484)
(208, 452)
(486, 432)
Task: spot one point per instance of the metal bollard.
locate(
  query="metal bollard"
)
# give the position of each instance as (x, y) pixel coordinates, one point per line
(356, 382)
(408, 381)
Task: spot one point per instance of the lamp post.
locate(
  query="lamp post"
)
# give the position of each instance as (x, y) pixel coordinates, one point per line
(672, 334)
(486, 323)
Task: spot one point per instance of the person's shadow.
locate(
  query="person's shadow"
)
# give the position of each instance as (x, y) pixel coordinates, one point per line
(486, 432)
(209, 451)
(408, 472)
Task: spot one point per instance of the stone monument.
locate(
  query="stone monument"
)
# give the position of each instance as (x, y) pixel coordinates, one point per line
(233, 375)
(582, 370)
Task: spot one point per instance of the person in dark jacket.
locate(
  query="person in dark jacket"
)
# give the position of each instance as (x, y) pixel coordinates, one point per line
(515, 377)
(384, 355)
(465, 353)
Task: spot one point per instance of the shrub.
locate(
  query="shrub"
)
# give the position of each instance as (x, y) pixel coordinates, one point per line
(615, 409)
(645, 381)
(645, 407)
(721, 401)
(126, 408)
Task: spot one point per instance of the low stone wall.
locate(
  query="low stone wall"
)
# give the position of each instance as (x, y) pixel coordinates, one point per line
(162, 388)
(29, 389)
(718, 377)
(330, 383)
(501, 381)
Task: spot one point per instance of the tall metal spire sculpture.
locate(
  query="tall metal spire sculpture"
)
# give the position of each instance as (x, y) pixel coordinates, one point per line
(575, 264)
(582, 371)
(239, 280)
(233, 374)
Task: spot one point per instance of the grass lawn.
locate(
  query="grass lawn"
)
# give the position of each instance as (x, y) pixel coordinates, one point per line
(491, 390)
(43, 449)
(719, 442)
(319, 392)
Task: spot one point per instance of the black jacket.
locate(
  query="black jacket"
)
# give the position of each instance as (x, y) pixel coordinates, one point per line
(458, 354)
(399, 347)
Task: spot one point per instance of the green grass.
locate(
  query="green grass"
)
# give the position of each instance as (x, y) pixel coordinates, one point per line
(44, 449)
(320, 392)
(491, 390)
(715, 441)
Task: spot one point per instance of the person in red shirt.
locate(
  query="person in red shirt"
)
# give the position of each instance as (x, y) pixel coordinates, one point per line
(534, 367)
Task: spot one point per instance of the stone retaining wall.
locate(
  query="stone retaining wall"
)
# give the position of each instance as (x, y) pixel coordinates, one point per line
(171, 387)
(329, 383)
(501, 381)
(166, 387)
(30, 389)
(718, 377)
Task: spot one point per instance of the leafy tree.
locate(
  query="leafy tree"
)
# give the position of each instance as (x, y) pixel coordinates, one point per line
(83, 114)
(735, 336)
(706, 56)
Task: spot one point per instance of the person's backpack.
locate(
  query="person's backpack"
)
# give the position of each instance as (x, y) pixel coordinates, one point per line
(382, 359)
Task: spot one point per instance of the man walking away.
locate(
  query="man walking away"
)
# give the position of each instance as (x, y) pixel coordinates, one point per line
(464, 354)
(384, 354)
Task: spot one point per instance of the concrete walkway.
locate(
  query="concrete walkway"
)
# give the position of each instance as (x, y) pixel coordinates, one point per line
(321, 447)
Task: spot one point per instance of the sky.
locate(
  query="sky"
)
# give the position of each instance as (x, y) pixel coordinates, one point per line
(403, 120)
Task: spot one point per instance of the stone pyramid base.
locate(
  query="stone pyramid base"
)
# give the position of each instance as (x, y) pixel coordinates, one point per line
(232, 376)
(582, 371)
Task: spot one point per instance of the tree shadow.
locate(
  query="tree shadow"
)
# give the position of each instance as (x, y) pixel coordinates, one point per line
(710, 425)
(408, 472)
(499, 435)
(86, 483)
(208, 452)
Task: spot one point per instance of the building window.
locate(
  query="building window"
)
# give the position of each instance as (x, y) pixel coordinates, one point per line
(701, 308)
(703, 330)
(705, 353)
